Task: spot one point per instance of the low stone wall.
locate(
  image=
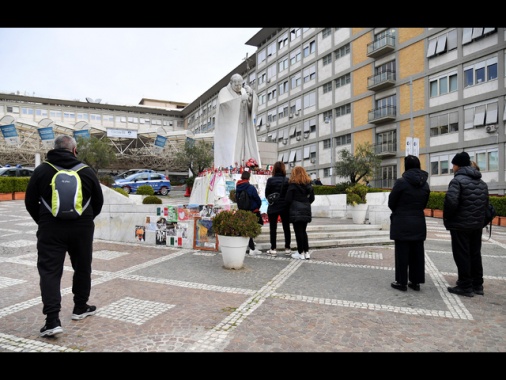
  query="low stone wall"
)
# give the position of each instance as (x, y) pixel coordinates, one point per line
(120, 215)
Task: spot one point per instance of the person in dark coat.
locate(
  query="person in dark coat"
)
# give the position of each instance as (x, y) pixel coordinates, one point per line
(299, 197)
(464, 210)
(278, 183)
(255, 203)
(407, 200)
(56, 237)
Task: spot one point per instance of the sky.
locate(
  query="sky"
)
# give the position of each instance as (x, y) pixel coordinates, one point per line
(119, 65)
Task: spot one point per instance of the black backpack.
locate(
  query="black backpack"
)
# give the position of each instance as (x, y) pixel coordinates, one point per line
(490, 214)
(243, 201)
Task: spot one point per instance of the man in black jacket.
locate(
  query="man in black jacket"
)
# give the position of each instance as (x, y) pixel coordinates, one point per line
(55, 236)
(463, 215)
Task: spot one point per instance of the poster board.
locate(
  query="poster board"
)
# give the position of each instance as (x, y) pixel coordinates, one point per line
(204, 237)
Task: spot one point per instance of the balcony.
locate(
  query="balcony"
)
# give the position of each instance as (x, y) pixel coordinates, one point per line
(381, 47)
(386, 149)
(382, 115)
(381, 81)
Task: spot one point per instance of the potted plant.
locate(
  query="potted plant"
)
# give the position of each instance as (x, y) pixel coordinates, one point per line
(356, 199)
(234, 229)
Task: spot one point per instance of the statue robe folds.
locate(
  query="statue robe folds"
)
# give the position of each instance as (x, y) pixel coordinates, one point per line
(235, 137)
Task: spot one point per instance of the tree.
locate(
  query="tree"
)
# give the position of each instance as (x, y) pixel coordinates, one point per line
(361, 165)
(96, 153)
(196, 156)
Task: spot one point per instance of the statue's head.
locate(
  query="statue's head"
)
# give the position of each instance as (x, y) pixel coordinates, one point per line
(236, 82)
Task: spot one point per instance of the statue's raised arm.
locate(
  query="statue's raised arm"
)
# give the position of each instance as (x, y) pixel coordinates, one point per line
(235, 137)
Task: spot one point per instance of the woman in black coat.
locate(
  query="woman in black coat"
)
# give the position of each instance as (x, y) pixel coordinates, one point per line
(408, 229)
(278, 183)
(299, 196)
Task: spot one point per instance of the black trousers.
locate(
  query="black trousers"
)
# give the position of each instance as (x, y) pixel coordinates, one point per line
(466, 248)
(409, 262)
(299, 228)
(53, 242)
(273, 225)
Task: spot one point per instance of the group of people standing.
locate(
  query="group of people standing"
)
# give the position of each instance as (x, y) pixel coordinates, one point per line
(465, 203)
(292, 206)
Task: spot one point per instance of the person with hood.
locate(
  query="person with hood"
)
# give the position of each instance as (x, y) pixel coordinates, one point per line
(56, 237)
(407, 200)
(255, 203)
(465, 204)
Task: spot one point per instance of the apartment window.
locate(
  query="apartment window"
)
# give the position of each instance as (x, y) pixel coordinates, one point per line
(295, 56)
(261, 98)
(309, 48)
(309, 125)
(480, 72)
(327, 87)
(342, 51)
(283, 111)
(283, 41)
(271, 71)
(309, 73)
(261, 56)
(82, 116)
(480, 115)
(271, 115)
(388, 175)
(470, 34)
(283, 64)
(271, 49)
(294, 33)
(41, 112)
(343, 110)
(295, 105)
(327, 172)
(283, 87)
(440, 165)
(443, 84)
(271, 93)
(388, 101)
(262, 77)
(296, 80)
(27, 111)
(327, 115)
(327, 59)
(327, 144)
(310, 99)
(343, 80)
(326, 32)
(69, 115)
(386, 141)
(487, 160)
(444, 124)
(388, 67)
(343, 140)
(442, 43)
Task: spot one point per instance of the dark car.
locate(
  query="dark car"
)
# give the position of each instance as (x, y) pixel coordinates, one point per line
(16, 171)
(158, 181)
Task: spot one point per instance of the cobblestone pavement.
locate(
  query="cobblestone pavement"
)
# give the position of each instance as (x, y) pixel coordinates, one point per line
(161, 299)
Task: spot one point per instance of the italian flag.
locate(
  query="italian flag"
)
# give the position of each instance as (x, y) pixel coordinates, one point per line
(269, 167)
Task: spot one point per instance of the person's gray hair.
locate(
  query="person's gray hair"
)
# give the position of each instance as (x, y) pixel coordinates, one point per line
(65, 142)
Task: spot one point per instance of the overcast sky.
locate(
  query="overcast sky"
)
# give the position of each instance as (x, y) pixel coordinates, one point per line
(119, 65)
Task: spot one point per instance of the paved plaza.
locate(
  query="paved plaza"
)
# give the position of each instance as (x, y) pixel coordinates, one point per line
(163, 299)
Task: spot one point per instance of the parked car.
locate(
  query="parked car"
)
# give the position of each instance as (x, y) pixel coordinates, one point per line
(129, 172)
(16, 171)
(158, 181)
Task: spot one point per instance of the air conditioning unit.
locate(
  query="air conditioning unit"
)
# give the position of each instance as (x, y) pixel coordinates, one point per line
(313, 160)
(297, 113)
(491, 128)
(297, 138)
(291, 115)
(268, 125)
(268, 81)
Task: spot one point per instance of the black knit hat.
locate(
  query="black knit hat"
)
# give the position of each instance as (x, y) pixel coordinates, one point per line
(461, 159)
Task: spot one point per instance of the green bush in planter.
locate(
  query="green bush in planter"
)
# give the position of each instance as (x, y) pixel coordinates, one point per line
(152, 200)
(20, 184)
(121, 191)
(145, 190)
(236, 223)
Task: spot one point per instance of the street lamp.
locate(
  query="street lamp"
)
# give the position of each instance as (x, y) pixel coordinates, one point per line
(329, 120)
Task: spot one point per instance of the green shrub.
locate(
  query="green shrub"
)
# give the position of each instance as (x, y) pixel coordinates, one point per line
(121, 191)
(106, 180)
(6, 185)
(436, 200)
(145, 190)
(20, 183)
(151, 200)
(356, 194)
(236, 223)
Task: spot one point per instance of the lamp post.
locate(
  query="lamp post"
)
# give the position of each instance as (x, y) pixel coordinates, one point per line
(332, 153)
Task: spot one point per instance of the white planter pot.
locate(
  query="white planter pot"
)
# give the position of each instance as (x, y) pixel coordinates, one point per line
(358, 213)
(233, 250)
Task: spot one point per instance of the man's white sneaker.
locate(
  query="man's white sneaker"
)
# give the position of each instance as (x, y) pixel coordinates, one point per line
(254, 252)
(298, 256)
(271, 252)
(288, 252)
(307, 256)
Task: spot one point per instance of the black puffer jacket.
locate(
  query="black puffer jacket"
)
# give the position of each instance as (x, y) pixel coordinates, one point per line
(407, 200)
(278, 183)
(466, 200)
(300, 193)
